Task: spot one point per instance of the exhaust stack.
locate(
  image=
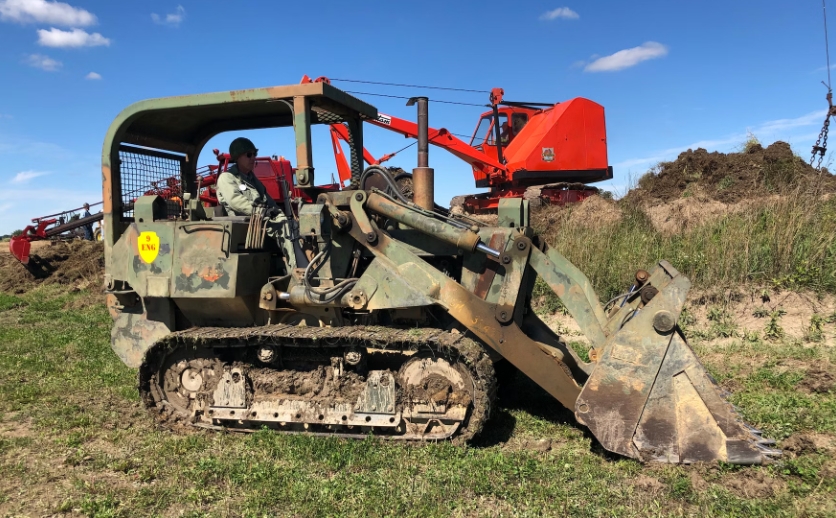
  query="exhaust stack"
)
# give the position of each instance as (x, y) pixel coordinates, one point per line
(423, 176)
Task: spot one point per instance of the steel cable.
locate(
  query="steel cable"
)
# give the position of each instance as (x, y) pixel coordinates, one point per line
(413, 86)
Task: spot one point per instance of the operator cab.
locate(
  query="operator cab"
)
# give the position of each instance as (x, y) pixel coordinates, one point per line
(485, 133)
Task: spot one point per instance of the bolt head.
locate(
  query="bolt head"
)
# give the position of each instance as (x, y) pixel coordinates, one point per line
(371, 237)
(358, 196)
(506, 259)
(663, 321)
(521, 245)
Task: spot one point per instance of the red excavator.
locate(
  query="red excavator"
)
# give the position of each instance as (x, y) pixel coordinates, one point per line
(538, 151)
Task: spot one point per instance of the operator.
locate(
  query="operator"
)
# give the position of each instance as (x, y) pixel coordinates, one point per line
(88, 228)
(240, 192)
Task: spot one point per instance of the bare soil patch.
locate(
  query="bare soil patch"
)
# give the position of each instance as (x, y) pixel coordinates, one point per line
(753, 483)
(76, 263)
(818, 380)
(808, 443)
(747, 312)
(648, 484)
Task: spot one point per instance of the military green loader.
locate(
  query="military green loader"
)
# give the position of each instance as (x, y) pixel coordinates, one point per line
(379, 313)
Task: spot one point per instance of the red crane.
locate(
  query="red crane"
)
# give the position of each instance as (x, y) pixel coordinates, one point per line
(516, 146)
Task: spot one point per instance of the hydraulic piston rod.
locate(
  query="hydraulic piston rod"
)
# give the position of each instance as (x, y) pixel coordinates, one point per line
(461, 238)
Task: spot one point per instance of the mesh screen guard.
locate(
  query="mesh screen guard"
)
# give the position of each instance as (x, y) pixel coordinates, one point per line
(147, 172)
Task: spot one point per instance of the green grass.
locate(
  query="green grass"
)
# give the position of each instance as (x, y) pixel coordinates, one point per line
(788, 243)
(74, 439)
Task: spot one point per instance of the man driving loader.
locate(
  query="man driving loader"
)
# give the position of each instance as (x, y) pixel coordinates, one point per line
(241, 192)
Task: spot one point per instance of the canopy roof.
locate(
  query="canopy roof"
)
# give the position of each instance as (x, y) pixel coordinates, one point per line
(184, 123)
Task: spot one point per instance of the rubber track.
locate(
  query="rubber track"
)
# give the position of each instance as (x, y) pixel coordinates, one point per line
(452, 345)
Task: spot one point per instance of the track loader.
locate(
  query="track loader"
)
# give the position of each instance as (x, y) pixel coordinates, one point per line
(388, 314)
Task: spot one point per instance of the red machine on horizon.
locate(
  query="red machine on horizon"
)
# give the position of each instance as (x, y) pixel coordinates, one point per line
(61, 225)
(274, 172)
(518, 149)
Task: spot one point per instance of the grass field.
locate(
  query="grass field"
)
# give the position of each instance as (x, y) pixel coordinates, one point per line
(75, 441)
(786, 242)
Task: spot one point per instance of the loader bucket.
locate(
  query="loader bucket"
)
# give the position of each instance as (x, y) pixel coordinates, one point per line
(649, 398)
(19, 247)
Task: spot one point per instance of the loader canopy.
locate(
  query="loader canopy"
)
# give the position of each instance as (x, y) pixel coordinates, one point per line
(156, 143)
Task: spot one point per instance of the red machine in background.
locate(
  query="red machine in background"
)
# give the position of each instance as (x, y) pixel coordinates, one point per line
(275, 172)
(62, 225)
(546, 152)
(532, 150)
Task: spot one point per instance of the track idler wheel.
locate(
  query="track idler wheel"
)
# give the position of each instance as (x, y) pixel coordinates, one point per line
(437, 395)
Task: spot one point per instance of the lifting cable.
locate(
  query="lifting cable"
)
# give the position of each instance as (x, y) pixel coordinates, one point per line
(820, 147)
(403, 85)
(403, 97)
(413, 86)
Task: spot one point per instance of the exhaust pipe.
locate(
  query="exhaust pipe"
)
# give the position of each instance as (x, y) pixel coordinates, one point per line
(423, 176)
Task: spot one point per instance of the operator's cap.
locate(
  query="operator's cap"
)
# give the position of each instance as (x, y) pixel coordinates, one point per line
(240, 146)
(86, 205)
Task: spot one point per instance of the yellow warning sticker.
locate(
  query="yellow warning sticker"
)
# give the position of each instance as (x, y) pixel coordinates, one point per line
(149, 246)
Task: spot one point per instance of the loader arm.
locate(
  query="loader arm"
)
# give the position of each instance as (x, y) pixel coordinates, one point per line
(645, 395)
(438, 137)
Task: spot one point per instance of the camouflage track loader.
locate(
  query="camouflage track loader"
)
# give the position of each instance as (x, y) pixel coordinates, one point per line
(387, 315)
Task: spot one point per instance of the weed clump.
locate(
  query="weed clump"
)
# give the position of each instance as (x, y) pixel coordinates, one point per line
(773, 329)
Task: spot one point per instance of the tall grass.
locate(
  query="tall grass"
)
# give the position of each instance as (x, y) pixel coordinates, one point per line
(787, 242)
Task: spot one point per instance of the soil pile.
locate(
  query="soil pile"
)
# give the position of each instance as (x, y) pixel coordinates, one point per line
(731, 177)
(78, 263)
(594, 212)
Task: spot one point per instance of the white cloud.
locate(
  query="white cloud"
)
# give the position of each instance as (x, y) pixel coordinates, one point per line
(43, 62)
(560, 12)
(628, 57)
(70, 39)
(25, 176)
(173, 19)
(816, 117)
(41, 11)
(93, 76)
(779, 129)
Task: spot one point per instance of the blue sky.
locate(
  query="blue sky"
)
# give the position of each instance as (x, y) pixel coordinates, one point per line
(671, 75)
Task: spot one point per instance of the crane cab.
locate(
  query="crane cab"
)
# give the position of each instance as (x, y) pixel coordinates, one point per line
(564, 142)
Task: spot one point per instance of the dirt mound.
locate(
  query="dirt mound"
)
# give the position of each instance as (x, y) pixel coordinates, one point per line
(817, 380)
(804, 443)
(73, 262)
(595, 210)
(731, 177)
